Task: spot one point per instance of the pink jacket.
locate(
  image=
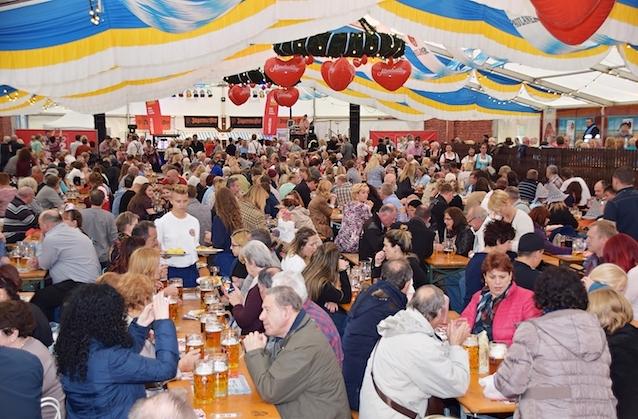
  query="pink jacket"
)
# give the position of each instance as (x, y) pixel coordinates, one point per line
(517, 307)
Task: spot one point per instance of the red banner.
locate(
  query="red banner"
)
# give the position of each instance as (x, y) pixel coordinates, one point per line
(143, 122)
(154, 117)
(69, 135)
(271, 115)
(393, 135)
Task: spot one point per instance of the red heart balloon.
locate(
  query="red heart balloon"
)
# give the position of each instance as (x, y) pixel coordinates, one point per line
(356, 62)
(364, 59)
(325, 68)
(285, 73)
(573, 21)
(239, 94)
(287, 97)
(310, 59)
(391, 77)
(341, 74)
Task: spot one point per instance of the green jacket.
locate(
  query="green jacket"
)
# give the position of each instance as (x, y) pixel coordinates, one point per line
(303, 379)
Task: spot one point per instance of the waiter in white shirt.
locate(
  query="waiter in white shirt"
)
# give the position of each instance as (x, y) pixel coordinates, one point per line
(180, 230)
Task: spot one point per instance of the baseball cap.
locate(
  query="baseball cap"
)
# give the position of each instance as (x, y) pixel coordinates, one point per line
(530, 242)
(140, 180)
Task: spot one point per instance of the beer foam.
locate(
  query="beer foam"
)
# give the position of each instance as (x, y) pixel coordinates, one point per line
(194, 340)
(215, 327)
(220, 366)
(229, 342)
(205, 368)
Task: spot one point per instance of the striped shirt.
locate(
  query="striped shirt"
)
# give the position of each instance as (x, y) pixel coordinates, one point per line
(18, 218)
(527, 189)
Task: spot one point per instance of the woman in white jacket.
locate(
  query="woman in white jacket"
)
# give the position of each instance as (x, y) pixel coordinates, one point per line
(410, 363)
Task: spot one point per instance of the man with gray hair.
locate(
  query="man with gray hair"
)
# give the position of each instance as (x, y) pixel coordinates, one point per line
(69, 256)
(323, 321)
(299, 374)
(99, 225)
(384, 298)
(371, 241)
(410, 363)
(163, 405)
(19, 216)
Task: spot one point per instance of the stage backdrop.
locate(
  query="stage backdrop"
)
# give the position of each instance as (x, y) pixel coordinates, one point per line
(393, 135)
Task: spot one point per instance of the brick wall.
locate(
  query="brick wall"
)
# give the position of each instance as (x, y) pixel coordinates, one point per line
(466, 130)
(5, 126)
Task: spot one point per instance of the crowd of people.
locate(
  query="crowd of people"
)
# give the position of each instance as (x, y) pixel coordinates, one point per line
(104, 218)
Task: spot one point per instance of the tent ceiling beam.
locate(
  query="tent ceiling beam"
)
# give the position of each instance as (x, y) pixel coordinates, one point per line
(596, 100)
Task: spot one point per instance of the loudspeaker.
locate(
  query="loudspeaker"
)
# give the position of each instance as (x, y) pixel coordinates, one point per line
(99, 121)
(132, 128)
(355, 124)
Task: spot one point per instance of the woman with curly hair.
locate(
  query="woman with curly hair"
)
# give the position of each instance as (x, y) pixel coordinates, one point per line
(102, 371)
(558, 365)
(16, 328)
(226, 220)
(328, 283)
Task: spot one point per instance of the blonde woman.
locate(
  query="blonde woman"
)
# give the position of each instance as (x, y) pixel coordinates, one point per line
(606, 275)
(407, 180)
(374, 172)
(328, 283)
(320, 209)
(237, 242)
(615, 315)
(137, 291)
(355, 214)
(397, 244)
(251, 207)
(500, 207)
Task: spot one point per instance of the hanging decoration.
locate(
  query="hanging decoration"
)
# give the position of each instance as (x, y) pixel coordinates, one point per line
(392, 74)
(345, 44)
(286, 97)
(285, 73)
(573, 21)
(239, 94)
(338, 75)
(247, 77)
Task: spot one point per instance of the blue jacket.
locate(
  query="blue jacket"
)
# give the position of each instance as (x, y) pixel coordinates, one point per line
(373, 305)
(221, 240)
(623, 209)
(116, 376)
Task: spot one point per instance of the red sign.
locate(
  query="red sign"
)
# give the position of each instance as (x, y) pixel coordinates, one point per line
(393, 135)
(142, 122)
(271, 112)
(68, 135)
(154, 116)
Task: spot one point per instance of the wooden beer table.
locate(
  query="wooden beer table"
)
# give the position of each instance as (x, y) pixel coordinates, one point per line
(474, 403)
(232, 406)
(32, 280)
(444, 264)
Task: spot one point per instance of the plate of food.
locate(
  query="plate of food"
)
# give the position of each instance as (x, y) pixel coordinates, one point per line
(207, 250)
(215, 281)
(174, 251)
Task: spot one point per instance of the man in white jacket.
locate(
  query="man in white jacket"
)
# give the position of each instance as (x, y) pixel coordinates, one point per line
(411, 363)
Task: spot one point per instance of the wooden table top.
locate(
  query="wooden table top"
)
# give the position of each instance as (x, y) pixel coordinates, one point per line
(580, 258)
(550, 259)
(440, 260)
(474, 402)
(34, 275)
(336, 216)
(245, 405)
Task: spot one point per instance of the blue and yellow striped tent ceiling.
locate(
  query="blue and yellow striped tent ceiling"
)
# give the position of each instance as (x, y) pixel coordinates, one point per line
(144, 49)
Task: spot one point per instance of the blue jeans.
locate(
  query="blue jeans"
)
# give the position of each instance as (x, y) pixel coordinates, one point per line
(188, 274)
(454, 285)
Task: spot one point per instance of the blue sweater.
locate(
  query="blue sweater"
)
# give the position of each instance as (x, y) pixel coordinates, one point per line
(221, 240)
(373, 305)
(116, 376)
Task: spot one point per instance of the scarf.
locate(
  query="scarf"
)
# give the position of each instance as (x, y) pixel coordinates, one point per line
(485, 310)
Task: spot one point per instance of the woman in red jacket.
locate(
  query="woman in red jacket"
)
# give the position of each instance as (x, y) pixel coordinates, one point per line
(501, 305)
